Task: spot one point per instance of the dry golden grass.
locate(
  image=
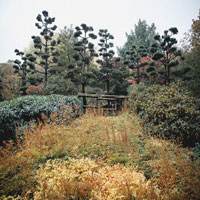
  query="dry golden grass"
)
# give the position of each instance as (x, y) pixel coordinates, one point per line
(113, 143)
(87, 179)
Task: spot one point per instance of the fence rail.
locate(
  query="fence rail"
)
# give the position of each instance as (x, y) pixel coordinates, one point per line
(114, 102)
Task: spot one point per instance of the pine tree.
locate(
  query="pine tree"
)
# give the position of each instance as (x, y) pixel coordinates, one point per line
(80, 72)
(119, 78)
(166, 53)
(108, 62)
(66, 47)
(142, 35)
(133, 59)
(23, 67)
(45, 44)
(58, 82)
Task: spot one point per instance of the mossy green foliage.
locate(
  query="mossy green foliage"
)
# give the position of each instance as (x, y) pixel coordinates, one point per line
(20, 111)
(168, 111)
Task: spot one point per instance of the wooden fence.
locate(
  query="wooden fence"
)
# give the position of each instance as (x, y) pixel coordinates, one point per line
(114, 102)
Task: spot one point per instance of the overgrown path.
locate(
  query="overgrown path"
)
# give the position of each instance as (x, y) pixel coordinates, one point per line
(108, 154)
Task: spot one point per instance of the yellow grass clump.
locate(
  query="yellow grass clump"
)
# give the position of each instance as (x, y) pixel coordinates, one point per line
(86, 179)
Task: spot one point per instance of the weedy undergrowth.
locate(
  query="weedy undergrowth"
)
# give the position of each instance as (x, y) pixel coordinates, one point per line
(114, 144)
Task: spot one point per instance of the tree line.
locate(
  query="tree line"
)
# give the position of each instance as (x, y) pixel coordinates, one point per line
(68, 62)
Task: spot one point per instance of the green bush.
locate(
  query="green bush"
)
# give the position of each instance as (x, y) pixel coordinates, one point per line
(167, 111)
(20, 111)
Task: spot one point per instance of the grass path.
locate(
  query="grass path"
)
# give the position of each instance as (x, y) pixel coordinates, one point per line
(112, 144)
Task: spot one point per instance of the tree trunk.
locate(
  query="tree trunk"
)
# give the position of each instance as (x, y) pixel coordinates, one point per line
(84, 98)
(46, 73)
(167, 69)
(138, 76)
(165, 75)
(46, 64)
(108, 90)
(168, 75)
(108, 86)
(24, 83)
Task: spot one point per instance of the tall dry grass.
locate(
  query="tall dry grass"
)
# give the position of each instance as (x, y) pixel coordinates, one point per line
(107, 141)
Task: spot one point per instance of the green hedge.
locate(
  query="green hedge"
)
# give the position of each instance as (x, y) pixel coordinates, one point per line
(20, 111)
(168, 111)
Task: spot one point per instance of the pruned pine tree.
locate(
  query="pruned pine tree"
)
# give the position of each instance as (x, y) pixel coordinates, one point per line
(119, 82)
(108, 61)
(58, 81)
(81, 71)
(166, 53)
(133, 59)
(45, 44)
(24, 66)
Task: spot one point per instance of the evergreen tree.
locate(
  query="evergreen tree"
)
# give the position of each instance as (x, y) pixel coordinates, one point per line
(133, 59)
(119, 78)
(80, 72)
(166, 53)
(195, 39)
(108, 61)
(66, 47)
(23, 67)
(45, 44)
(142, 35)
(192, 58)
(1, 87)
(57, 82)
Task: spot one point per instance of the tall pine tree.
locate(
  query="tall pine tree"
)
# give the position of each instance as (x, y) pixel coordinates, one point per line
(23, 67)
(108, 61)
(80, 72)
(133, 58)
(45, 44)
(166, 53)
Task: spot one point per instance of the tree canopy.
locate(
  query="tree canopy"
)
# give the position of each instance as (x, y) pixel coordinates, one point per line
(23, 67)
(195, 40)
(166, 53)
(80, 72)
(142, 35)
(45, 44)
(133, 58)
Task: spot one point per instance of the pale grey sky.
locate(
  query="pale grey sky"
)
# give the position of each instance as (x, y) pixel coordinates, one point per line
(18, 17)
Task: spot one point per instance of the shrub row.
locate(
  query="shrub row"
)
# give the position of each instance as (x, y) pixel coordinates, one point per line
(168, 111)
(20, 111)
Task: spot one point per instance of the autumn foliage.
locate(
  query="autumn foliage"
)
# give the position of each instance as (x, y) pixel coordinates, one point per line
(86, 160)
(32, 89)
(143, 60)
(84, 177)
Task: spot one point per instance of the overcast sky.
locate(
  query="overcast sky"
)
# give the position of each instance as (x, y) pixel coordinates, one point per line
(18, 17)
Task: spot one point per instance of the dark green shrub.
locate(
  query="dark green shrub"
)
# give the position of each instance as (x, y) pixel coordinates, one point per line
(196, 150)
(168, 111)
(21, 111)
